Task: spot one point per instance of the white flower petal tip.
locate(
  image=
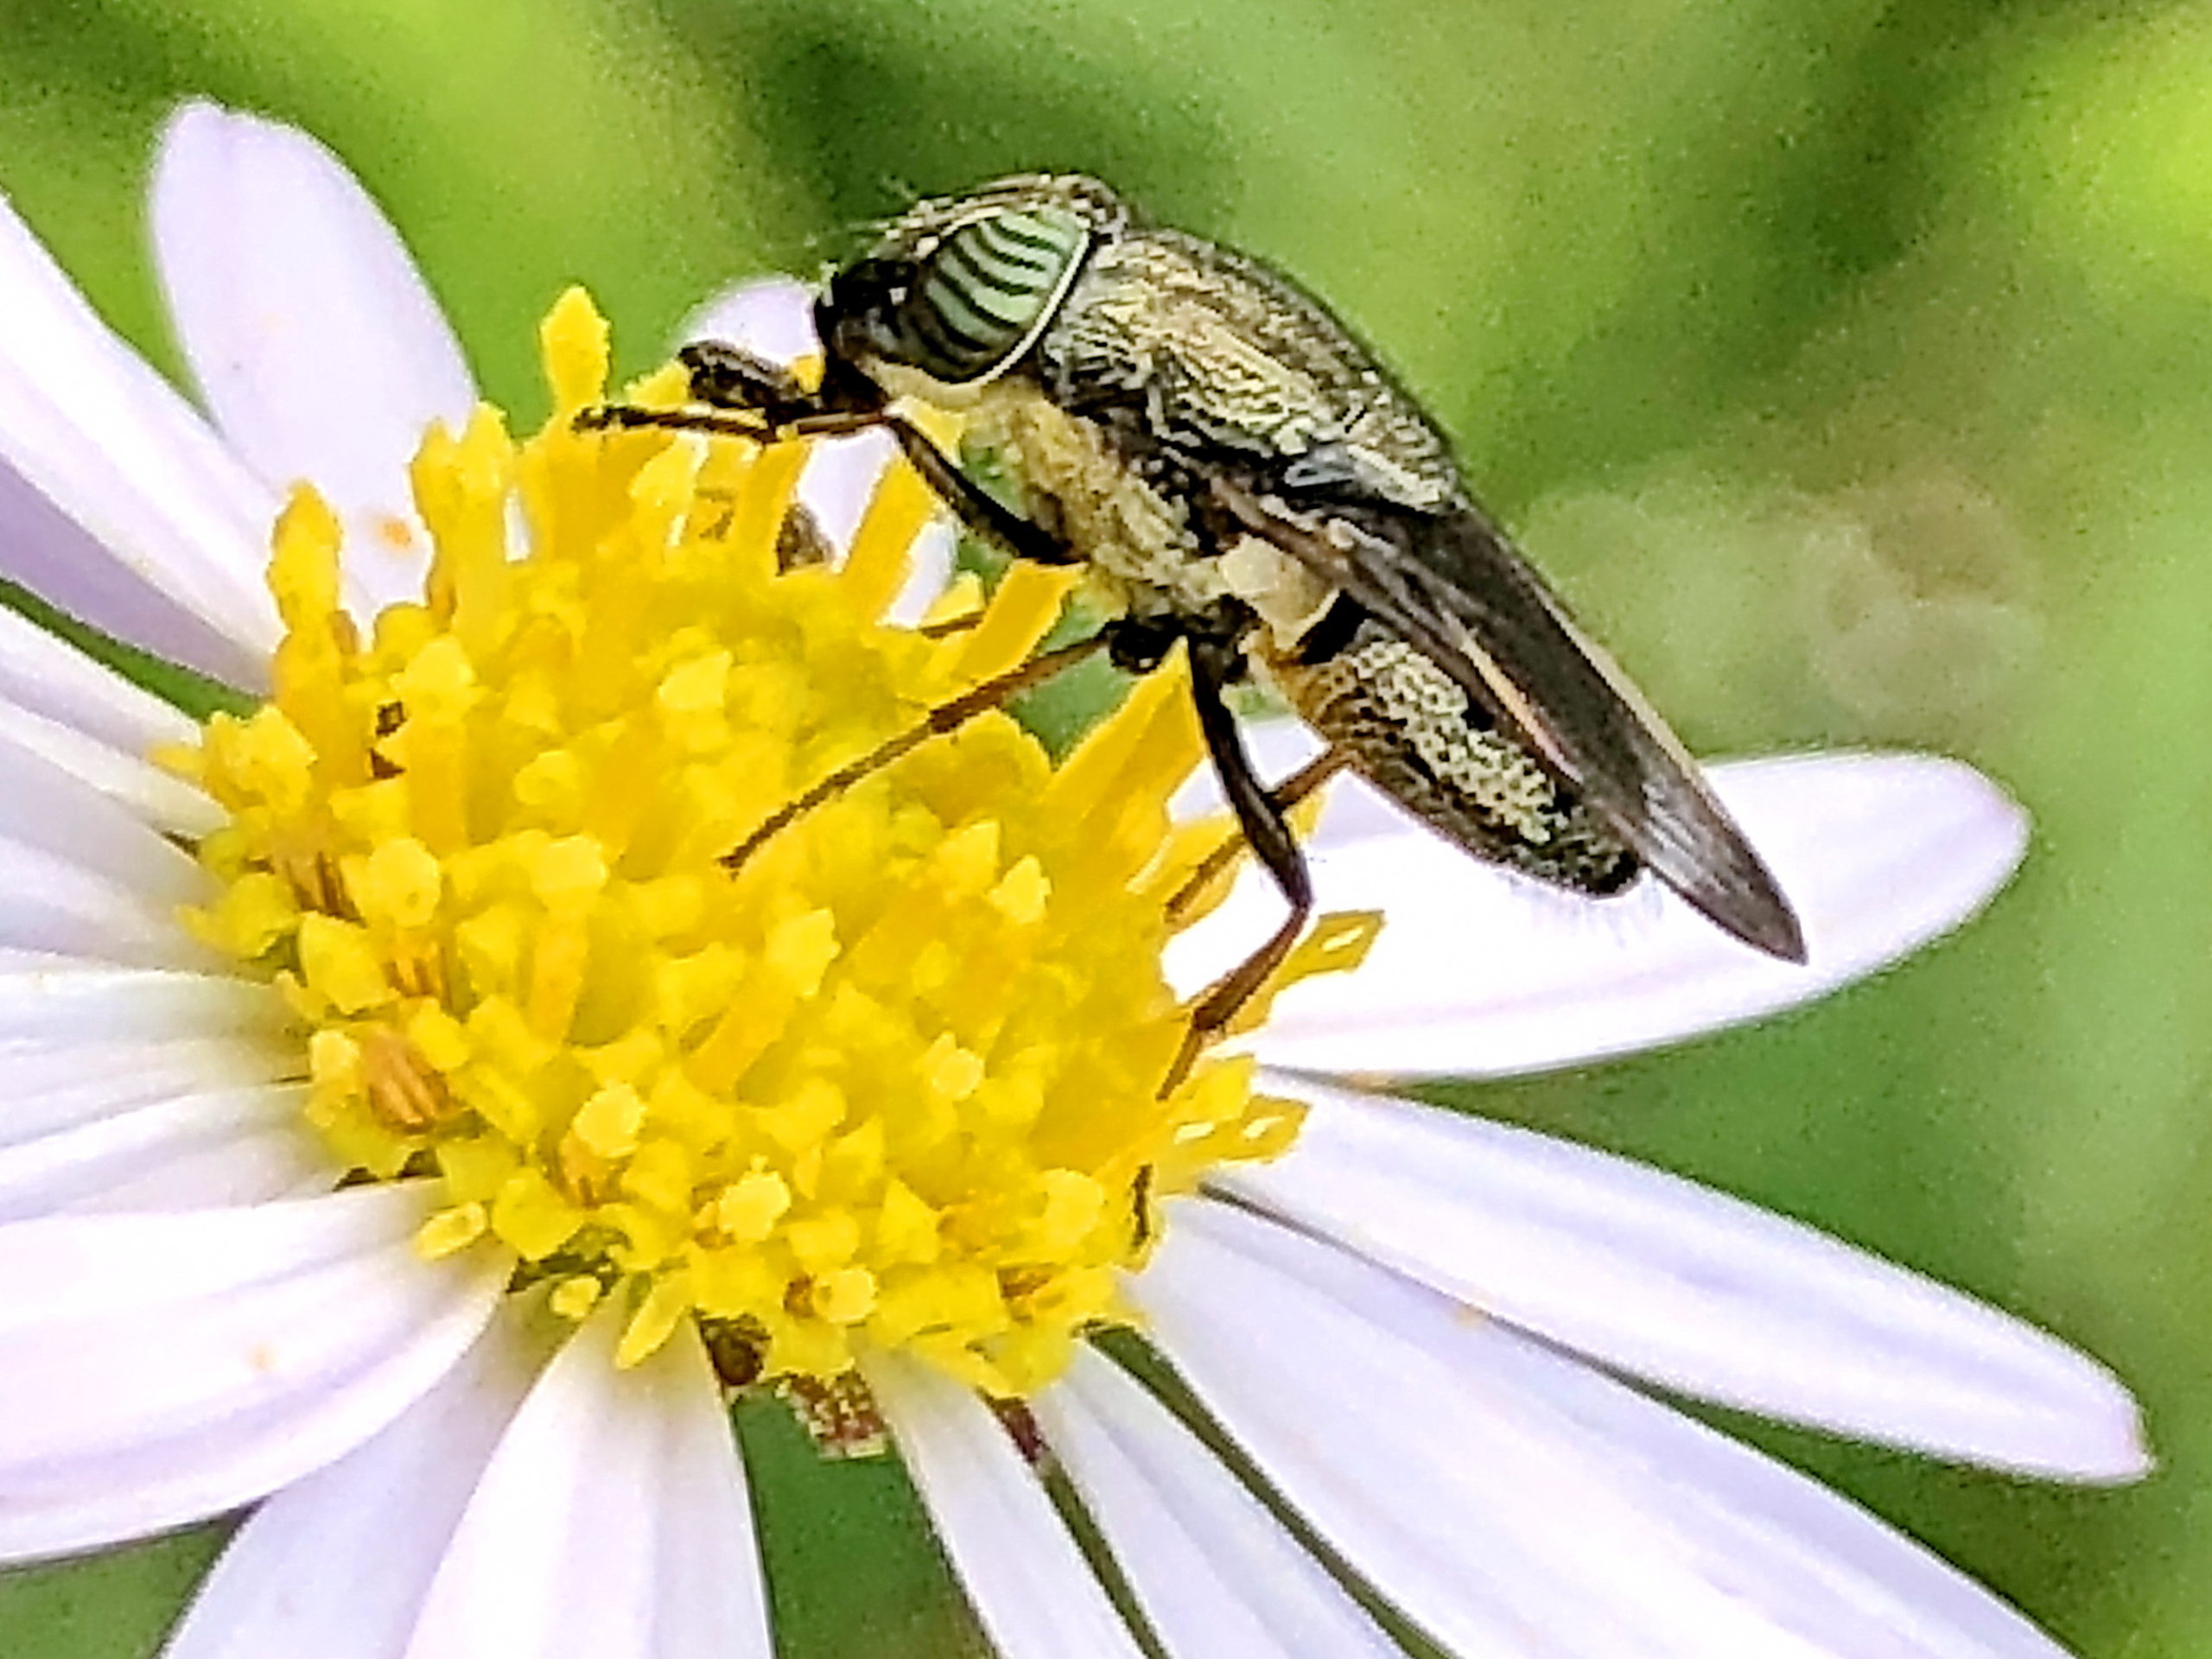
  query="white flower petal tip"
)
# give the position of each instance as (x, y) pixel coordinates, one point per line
(118, 503)
(1479, 974)
(2107, 1443)
(611, 1522)
(1651, 1275)
(386, 1510)
(772, 317)
(319, 349)
(1491, 1486)
(159, 1369)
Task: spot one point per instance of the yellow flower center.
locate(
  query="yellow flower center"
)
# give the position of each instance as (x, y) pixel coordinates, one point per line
(897, 1080)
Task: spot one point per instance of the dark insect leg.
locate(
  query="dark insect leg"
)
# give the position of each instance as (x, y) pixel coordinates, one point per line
(951, 625)
(1286, 795)
(729, 377)
(945, 718)
(1141, 1227)
(975, 506)
(628, 417)
(1270, 837)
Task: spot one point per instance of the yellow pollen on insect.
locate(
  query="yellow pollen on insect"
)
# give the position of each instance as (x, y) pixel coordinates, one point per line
(895, 1081)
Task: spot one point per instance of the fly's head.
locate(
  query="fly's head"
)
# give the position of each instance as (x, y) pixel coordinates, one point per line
(958, 289)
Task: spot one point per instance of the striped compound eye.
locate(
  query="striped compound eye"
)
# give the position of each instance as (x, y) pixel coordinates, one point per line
(989, 288)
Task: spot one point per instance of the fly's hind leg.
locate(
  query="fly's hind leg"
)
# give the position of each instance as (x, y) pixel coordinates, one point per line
(1285, 795)
(1213, 665)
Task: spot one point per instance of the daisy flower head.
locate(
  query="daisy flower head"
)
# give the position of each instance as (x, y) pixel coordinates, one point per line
(399, 1057)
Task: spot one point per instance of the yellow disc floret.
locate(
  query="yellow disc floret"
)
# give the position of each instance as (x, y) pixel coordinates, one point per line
(897, 1080)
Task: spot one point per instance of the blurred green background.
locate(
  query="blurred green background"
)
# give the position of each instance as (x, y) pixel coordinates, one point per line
(1849, 363)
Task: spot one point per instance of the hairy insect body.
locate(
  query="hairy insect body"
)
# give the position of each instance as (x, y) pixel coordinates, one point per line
(1144, 551)
(1137, 539)
(1167, 346)
(1230, 358)
(1252, 367)
(1239, 474)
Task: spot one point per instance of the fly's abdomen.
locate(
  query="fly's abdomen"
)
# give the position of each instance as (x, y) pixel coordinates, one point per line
(1410, 730)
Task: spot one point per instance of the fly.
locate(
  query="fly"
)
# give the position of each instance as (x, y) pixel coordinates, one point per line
(1243, 478)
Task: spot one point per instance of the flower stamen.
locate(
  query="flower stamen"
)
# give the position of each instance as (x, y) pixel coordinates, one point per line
(890, 1076)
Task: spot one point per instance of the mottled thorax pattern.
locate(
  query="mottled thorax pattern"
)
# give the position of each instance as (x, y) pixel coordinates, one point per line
(1234, 357)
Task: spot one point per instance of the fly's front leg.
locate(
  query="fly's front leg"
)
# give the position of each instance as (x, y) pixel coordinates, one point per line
(729, 377)
(751, 397)
(979, 510)
(748, 396)
(1213, 665)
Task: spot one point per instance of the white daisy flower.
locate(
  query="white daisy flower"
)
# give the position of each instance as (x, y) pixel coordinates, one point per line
(413, 1130)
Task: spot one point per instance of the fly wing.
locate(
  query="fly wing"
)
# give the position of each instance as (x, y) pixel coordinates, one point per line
(1453, 586)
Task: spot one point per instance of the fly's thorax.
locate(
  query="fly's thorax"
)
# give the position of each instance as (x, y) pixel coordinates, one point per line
(1410, 729)
(1083, 488)
(904, 381)
(1136, 536)
(1230, 357)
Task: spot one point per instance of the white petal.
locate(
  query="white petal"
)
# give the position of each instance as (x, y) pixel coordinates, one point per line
(770, 317)
(59, 908)
(49, 1088)
(1514, 1502)
(1278, 746)
(174, 530)
(611, 1522)
(839, 479)
(190, 1151)
(52, 999)
(931, 561)
(316, 345)
(48, 551)
(1028, 1583)
(158, 799)
(87, 877)
(1650, 1273)
(94, 724)
(45, 809)
(1217, 1576)
(773, 318)
(1478, 973)
(275, 1160)
(158, 1369)
(387, 1511)
(43, 674)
